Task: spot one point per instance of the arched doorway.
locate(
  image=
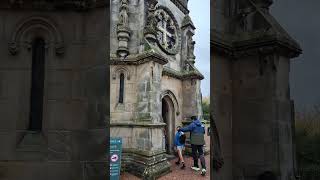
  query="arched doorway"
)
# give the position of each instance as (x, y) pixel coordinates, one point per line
(168, 116)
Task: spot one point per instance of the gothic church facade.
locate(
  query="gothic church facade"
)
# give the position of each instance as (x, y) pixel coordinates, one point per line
(155, 85)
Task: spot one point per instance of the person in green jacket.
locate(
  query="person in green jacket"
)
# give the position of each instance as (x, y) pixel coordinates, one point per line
(197, 132)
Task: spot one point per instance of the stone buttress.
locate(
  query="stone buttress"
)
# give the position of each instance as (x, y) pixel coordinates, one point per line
(253, 107)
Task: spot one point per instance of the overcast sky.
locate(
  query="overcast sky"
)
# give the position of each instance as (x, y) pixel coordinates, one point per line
(200, 15)
(301, 20)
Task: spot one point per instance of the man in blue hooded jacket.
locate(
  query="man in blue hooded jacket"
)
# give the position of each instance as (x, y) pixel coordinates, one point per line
(197, 131)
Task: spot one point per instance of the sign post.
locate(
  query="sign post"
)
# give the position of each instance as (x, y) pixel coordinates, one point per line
(115, 158)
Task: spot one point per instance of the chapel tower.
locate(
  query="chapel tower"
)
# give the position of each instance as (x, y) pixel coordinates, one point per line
(254, 112)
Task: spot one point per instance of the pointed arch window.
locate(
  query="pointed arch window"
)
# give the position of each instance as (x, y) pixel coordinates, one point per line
(121, 88)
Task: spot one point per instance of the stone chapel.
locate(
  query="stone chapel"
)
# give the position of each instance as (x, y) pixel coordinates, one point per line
(53, 75)
(154, 84)
(251, 103)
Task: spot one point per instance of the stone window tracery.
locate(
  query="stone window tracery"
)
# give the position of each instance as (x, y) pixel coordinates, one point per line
(167, 32)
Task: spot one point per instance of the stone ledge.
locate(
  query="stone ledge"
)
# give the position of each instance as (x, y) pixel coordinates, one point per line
(133, 151)
(182, 75)
(256, 46)
(138, 59)
(137, 124)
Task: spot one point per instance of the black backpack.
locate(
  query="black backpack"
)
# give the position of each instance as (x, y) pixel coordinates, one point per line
(182, 139)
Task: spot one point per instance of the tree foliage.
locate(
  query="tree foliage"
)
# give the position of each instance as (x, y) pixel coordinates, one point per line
(206, 108)
(308, 142)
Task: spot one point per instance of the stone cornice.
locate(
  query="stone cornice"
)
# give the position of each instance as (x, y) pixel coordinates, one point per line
(139, 152)
(256, 45)
(268, 38)
(220, 43)
(139, 59)
(266, 45)
(137, 124)
(77, 5)
(182, 75)
(221, 48)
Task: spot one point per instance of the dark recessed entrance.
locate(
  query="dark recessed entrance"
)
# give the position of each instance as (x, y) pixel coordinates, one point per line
(168, 118)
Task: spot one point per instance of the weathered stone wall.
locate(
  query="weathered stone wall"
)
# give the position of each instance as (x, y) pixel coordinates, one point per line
(123, 112)
(153, 72)
(221, 15)
(221, 99)
(73, 136)
(139, 138)
(141, 93)
(149, 83)
(191, 99)
(253, 117)
(286, 151)
(136, 19)
(174, 86)
(254, 93)
(262, 115)
(142, 128)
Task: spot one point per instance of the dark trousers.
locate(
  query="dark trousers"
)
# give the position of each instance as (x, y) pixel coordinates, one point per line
(197, 153)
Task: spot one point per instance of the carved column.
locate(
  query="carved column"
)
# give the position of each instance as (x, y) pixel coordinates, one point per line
(123, 31)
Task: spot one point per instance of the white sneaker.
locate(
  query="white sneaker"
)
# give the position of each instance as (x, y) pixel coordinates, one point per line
(203, 172)
(195, 168)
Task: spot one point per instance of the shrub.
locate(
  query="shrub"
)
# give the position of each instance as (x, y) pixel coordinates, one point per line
(308, 143)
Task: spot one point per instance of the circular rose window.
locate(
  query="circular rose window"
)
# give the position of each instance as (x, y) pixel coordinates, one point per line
(167, 31)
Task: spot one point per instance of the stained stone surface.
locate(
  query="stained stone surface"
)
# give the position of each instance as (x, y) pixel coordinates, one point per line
(159, 69)
(72, 143)
(253, 108)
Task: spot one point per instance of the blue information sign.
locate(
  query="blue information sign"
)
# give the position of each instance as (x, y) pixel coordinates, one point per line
(115, 158)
